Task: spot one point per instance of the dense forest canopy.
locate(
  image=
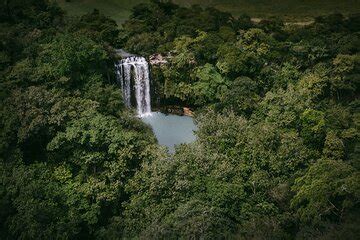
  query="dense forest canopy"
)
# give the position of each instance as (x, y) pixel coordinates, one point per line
(291, 10)
(277, 106)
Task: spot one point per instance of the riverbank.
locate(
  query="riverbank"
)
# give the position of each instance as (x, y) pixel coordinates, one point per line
(176, 110)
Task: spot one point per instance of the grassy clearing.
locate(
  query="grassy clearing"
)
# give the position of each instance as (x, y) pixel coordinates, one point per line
(290, 10)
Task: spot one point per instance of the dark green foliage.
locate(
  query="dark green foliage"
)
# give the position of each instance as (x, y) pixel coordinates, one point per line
(277, 150)
(97, 27)
(68, 145)
(242, 96)
(69, 58)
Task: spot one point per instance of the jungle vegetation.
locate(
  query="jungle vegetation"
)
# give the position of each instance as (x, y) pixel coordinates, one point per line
(290, 10)
(278, 110)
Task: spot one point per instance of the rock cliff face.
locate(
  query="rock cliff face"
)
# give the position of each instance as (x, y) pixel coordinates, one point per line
(158, 59)
(175, 110)
(188, 112)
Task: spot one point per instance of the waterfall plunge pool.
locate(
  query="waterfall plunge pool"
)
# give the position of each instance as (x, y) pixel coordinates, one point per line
(132, 73)
(171, 130)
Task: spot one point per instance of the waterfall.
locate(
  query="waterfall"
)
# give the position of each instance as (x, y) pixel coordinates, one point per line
(135, 68)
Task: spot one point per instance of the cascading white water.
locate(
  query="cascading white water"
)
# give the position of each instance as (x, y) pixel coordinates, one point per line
(140, 69)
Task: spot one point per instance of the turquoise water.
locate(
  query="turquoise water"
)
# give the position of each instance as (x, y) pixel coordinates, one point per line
(171, 130)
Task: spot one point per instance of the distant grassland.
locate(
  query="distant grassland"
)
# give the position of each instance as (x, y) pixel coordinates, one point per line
(119, 10)
(290, 10)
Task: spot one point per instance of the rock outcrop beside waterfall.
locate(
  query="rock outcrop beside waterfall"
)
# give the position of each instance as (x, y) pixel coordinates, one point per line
(158, 59)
